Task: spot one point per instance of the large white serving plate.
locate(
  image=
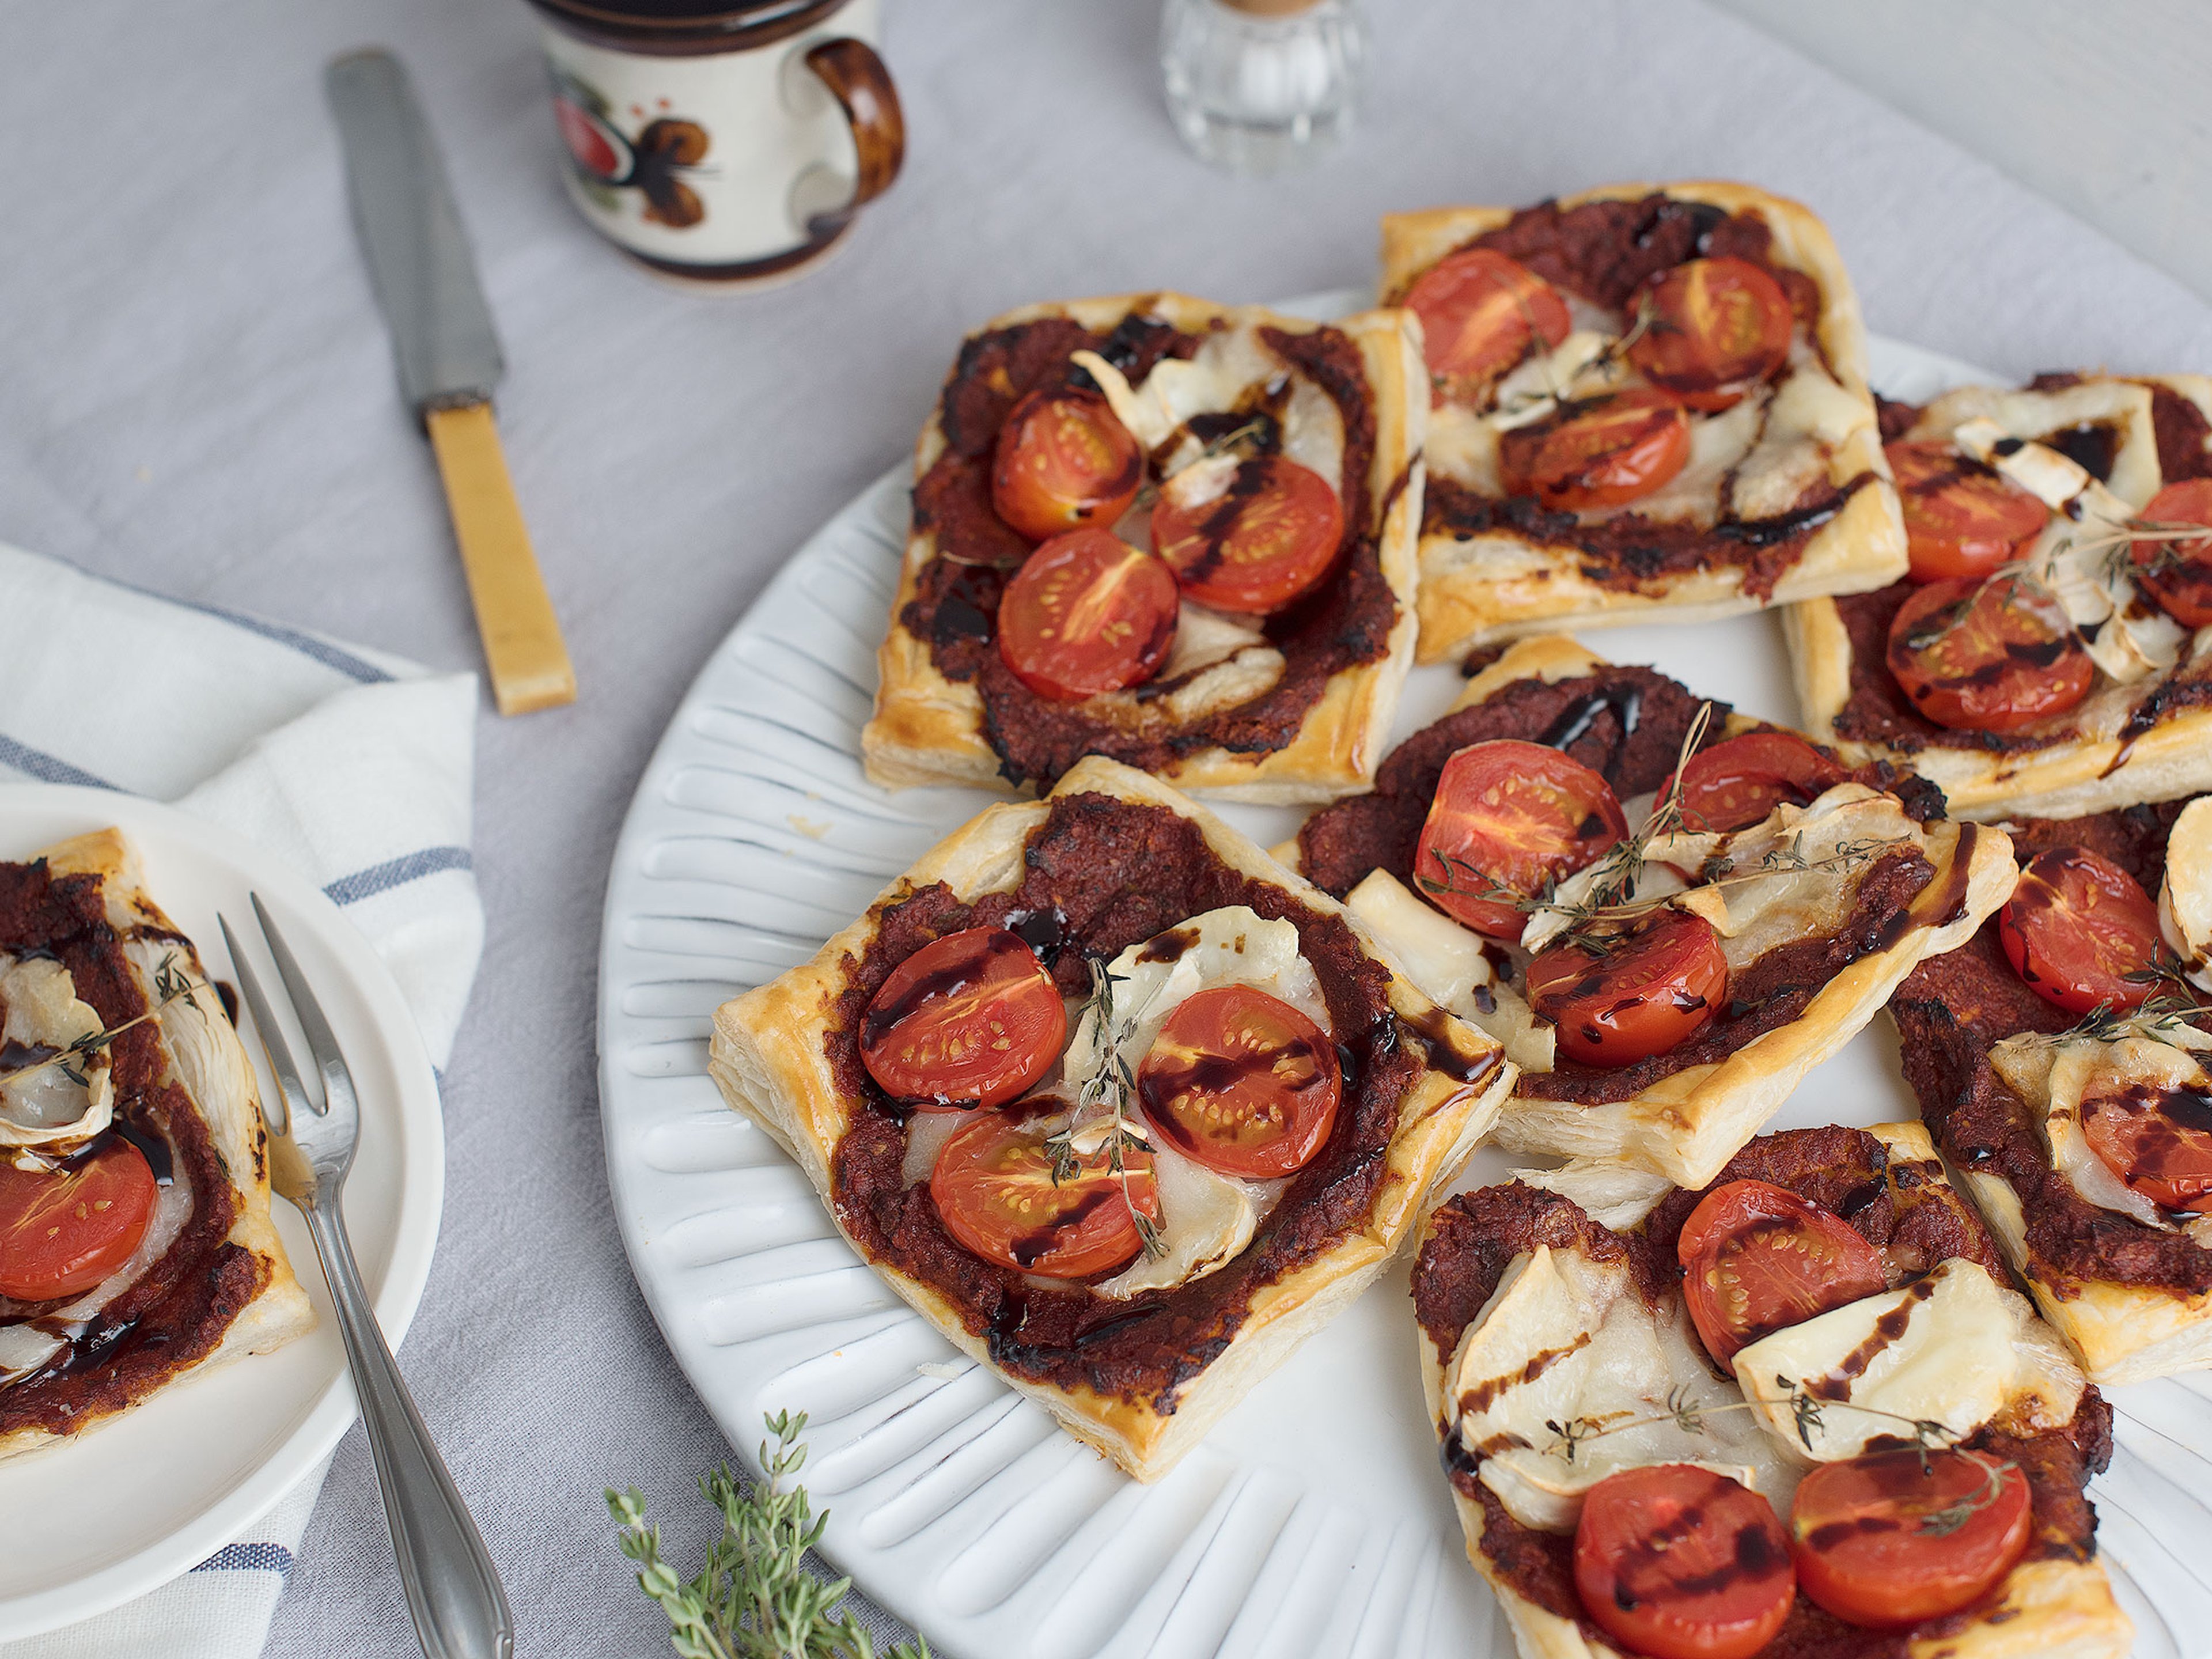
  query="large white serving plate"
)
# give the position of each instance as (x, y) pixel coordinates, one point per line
(92, 1523)
(1314, 1519)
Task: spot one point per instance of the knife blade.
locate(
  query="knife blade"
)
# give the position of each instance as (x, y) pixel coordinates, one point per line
(447, 354)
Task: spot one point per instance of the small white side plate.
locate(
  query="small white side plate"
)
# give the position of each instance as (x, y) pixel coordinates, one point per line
(92, 1523)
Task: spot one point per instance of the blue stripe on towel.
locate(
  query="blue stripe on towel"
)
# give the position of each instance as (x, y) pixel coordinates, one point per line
(47, 768)
(397, 872)
(248, 1557)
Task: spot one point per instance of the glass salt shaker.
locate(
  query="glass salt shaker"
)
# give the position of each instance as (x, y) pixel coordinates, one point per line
(1259, 85)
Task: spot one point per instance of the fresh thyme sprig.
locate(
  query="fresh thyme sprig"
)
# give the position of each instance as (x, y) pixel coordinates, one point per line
(1806, 1412)
(1109, 1091)
(755, 1598)
(2166, 1014)
(171, 984)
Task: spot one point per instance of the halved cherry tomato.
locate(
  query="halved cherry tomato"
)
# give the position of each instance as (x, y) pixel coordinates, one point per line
(1269, 536)
(1065, 460)
(1087, 613)
(1887, 1540)
(972, 1017)
(1478, 311)
(63, 1231)
(2158, 1141)
(1680, 1563)
(1657, 982)
(993, 1189)
(2076, 927)
(1601, 454)
(1242, 1081)
(1719, 327)
(2178, 575)
(1512, 816)
(1756, 1259)
(1736, 783)
(1961, 517)
(1987, 656)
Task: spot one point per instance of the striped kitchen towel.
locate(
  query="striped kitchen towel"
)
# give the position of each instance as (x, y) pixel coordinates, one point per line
(351, 767)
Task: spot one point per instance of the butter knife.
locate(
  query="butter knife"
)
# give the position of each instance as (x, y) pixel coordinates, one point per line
(449, 361)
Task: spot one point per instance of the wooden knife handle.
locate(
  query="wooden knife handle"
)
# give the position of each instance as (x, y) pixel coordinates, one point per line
(522, 642)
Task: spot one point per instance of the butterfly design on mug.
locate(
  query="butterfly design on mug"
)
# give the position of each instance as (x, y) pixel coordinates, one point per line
(652, 163)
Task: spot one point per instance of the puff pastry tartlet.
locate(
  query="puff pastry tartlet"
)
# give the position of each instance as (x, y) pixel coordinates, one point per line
(1650, 405)
(1125, 883)
(1260, 696)
(123, 1089)
(1566, 1359)
(2077, 1134)
(1819, 893)
(2111, 705)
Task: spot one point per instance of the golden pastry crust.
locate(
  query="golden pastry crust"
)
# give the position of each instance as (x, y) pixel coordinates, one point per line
(769, 1059)
(2044, 1607)
(211, 1065)
(1464, 605)
(1690, 1123)
(927, 729)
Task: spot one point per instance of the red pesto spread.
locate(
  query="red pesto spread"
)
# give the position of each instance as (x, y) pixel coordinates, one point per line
(1951, 1009)
(1343, 624)
(1628, 723)
(1878, 711)
(1603, 250)
(177, 1313)
(1902, 1209)
(1101, 874)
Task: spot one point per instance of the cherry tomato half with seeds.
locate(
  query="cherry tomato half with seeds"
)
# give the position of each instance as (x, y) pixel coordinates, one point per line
(2179, 574)
(1680, 1563)
(1737, 782)
(1243, 1082)
(1087, 614)
(63, 1231)
(2076, 927)
(1266, 533)
(1511, 816)
(1892, 1538)
(994, 1192)
(1757, 1259)
(1622, 994)
(1478, 311)
(1718, 328)
(1064, 460)
(1961, 517)
(1603, 453)
(2158, 1141)
(973, 1017)
(1987, 656)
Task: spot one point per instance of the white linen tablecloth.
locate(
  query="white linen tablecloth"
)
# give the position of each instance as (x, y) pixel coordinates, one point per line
(196, 394)
(349, 767)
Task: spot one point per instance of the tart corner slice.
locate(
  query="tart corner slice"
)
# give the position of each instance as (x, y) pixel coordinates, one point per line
(1279, 707)
(1130, 874)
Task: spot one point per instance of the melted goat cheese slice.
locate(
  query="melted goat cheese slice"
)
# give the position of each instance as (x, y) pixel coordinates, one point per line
(1567, 1346)
(1205, 1218)
(1954, 1348)
(2185, 897)
(1448, 964)
(2054, 1078)
(43, 1014)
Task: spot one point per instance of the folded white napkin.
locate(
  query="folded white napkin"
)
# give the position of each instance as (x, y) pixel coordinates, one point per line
(350, 767)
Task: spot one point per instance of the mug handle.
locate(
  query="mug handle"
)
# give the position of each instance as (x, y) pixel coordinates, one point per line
(856, 77)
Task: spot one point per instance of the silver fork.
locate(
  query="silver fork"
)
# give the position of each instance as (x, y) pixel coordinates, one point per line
(453, 1590)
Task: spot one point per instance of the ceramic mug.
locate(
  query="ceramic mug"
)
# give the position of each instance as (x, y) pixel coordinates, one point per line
(718, 141)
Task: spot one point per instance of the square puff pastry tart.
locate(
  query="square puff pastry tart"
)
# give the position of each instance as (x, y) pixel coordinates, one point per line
(1784, 495)
(234, 1294)
(1681, 1114)
(2004, 1078)
(1555, 1301)
(2144, 731)
(1127, 868)
(1292, 711)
